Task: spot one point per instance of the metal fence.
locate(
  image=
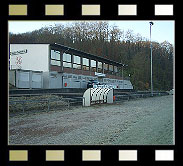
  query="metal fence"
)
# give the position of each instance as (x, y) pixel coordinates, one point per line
(25, 103)
(136, 95)
(47, 104)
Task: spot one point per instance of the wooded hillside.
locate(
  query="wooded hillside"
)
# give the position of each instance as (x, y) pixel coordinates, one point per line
(101, 39)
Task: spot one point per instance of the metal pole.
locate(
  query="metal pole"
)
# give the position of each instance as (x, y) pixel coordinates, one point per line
(48, 105)
(122, 73)
(151, 23)
(122, 76)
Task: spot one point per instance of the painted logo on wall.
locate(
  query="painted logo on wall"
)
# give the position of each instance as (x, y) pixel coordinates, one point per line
(18, 61)
(18, 52)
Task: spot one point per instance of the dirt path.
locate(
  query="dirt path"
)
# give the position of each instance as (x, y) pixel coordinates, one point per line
(137, 122)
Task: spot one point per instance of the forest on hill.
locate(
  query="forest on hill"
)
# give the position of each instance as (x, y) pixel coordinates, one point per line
(101, 39)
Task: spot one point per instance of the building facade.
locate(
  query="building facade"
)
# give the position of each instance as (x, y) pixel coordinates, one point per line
(66, 67)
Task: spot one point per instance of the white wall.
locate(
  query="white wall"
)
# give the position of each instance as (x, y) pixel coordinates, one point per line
(35, 59)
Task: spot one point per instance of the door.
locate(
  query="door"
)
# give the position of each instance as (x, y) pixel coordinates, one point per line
(36, 80)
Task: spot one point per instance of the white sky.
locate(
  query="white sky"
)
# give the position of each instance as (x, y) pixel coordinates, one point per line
(161, 30)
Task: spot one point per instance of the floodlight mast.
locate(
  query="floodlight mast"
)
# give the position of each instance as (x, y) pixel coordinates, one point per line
(151, 23)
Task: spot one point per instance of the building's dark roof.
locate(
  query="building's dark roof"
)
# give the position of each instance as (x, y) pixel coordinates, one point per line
(84, 54)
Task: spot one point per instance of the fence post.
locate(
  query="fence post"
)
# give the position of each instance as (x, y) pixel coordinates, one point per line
(23, 106)
(48, 105)
(68, 104)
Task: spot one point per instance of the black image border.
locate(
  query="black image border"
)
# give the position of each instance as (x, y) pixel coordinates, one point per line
(109, 154)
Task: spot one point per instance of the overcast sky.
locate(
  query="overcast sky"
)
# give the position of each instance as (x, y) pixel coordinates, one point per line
(161, 30)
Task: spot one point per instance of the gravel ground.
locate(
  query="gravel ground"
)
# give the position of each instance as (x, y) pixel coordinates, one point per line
(144, 121)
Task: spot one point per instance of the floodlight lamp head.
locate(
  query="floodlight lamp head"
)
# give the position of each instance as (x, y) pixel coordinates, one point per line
(151, 23)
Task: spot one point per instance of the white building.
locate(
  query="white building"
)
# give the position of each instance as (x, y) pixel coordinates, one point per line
(65, 67)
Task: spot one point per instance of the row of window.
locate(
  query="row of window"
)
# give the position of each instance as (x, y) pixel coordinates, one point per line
(77, 61)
